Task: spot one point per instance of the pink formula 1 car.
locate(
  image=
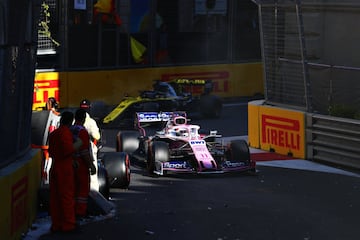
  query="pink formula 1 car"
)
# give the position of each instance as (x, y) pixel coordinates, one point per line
(164, 142)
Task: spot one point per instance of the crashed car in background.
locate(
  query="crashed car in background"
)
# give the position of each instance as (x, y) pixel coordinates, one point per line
(164, 142)
(175, 95)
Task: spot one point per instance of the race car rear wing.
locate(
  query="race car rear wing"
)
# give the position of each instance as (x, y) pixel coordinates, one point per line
(206, 84)
(151, 117)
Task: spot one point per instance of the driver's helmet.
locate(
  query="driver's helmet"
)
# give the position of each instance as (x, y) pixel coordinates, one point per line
(182, 132)
(172, 132)
(161, 87)
(194, 132)
(164, 88)
(52, 104)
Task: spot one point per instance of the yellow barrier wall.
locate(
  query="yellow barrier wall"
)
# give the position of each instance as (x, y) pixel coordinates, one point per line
(230, 80)
(253, 123)
(276, 129)
(19, 184)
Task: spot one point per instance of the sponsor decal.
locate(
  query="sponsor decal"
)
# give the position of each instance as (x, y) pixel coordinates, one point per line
(190, 81)
(18, 204)
(220, 80)
(197, 142)
(233, 164)
(176, 165)
(201, 152)
(153, 116)
(281, 131)
(45, 86)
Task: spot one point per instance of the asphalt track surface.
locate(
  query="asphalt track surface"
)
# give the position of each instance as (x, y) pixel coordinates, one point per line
(287, 199)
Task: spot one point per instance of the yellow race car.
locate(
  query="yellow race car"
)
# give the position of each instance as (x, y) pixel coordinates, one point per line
(175, 95)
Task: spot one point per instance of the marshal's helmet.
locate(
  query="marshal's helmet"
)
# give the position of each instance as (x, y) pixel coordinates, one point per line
(85, 104)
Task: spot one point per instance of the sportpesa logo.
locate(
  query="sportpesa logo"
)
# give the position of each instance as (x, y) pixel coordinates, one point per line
(177, 165)
(153, 117)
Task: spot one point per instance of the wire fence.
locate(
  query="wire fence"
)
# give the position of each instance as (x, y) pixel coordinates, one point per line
(45, 45)
(309, 54)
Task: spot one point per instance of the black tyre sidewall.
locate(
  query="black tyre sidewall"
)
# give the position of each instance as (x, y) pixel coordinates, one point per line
(158, 152)
(127, 141)
(104, 185)
(239, 151)
(210, 106)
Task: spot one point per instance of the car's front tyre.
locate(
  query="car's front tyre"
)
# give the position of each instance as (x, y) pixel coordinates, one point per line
(238, 151)
(157, 154)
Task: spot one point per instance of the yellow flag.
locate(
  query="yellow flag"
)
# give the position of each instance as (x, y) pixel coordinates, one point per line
(137, 50)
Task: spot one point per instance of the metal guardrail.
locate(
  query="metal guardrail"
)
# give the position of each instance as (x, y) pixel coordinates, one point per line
(333, 140)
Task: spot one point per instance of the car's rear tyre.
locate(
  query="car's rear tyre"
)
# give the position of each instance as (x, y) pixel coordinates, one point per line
(127, 141)
(117, 165)
(157, 154)
(104, 185)
(98, 110)
(210, 106)
(238, 151)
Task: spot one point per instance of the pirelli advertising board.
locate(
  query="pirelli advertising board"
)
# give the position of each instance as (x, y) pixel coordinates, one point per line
(110, 86)
(276, 129)
(45, 85)
(19, 186)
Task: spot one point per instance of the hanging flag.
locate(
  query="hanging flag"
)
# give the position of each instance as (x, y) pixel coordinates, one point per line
(106, 8)
(137, 50)
(103, 6)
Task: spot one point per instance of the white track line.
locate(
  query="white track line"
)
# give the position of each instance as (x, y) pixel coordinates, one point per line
(299, 164)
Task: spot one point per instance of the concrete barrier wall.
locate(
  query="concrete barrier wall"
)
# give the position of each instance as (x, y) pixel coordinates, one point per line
(275, 129)
(110, 86)
(303, 135)
(19, 184)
